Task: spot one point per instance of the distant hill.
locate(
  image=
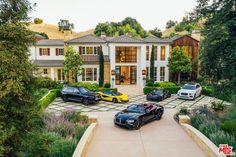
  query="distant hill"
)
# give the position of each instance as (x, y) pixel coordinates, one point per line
(167, 32)
(53, 32)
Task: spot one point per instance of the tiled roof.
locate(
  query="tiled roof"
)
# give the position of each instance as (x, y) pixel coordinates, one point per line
(180, 36)
(50, 42)
(126, 39)
(154, 39)
(87, 59)
(87, 40)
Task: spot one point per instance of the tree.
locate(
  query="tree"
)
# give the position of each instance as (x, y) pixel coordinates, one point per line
(170, 24)
(218, 59)
(156, 32)
(18, 108)
(152, 68)
(178, 62)
(65, 25)
(38, 21)
(101, 67)
(72, 63)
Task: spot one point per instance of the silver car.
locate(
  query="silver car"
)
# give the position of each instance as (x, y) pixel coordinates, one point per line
(190, 91)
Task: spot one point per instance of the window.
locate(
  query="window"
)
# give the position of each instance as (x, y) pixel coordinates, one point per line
(147, 72)
(126, 54)
(155, 53)
(147, 53)
(89, 50)
(89, 74)
(59, 51)
(45, 71)
(163, 53)
(60, 75)
(44, 51)
(155, 74)
(162, 74)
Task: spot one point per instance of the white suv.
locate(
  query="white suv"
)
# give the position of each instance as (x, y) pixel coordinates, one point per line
(190, 91)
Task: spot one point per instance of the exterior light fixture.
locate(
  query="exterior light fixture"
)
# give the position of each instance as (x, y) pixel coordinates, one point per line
(113, 72)
(143, 72)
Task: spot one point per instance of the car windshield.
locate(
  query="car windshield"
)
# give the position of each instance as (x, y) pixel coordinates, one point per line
(83, 90)
(190, 87)
(116, 93)
(136, 109)
(158, 92)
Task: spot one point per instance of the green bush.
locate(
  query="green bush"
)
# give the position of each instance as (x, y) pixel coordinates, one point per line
(218, 106)
(167, 84)
(57, 91)
(46, 82)
(107, 85)
(90, 86)
(38, 21)
(197, 120)
(75, 117)
(229, 126)
(221, 137)
(150, 84)
(156, 84)
(107, 89)
(208, 127)
(147, 90)
(63, 148)
(208, 91)
(79, 131)
(45, 101)
(39, 93)
(172, 90)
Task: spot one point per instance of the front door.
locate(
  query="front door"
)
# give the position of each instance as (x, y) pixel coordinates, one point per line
(126, 75)
(133, 75)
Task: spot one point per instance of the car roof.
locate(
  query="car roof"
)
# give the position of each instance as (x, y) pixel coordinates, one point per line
(145, 105)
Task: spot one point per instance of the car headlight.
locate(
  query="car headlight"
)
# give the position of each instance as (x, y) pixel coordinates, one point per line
(191, 94)
(130, 121)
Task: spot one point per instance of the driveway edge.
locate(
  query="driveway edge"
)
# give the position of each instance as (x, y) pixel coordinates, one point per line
(207, 146)
(85, 140)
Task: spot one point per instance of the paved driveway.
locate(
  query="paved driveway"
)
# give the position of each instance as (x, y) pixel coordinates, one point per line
(58, 105)
(164, 138)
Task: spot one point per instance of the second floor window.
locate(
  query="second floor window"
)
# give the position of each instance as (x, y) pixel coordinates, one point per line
(59, 51)
(147, 53)
(126, 54)
(83, 50)
(163, 53)
(44, 51)
(155, 53)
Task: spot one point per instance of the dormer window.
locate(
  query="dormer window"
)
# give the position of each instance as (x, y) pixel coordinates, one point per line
(44, 51)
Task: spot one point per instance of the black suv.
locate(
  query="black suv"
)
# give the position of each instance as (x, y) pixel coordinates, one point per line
(79, 94)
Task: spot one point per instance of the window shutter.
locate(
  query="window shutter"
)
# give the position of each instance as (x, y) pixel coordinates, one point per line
(40, 51)
(48, 51)
(57, 52)
(98, 50)
(80, 50)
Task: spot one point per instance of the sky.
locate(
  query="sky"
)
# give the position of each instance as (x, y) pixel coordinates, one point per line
(86, 14)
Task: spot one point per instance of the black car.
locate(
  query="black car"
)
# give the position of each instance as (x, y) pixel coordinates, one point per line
(79, 94)
(134, 116)
(158, 95)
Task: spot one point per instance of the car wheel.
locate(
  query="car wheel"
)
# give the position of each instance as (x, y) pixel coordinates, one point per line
(64, 98)
(85, 101)
(194, 97)
(159, 115)
(115, 100)
(137, 124)
(200, 94)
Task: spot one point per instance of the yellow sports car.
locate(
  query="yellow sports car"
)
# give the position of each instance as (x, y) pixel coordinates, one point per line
(114, 96)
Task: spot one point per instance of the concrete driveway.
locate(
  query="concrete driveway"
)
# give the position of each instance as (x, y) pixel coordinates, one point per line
(164, 138)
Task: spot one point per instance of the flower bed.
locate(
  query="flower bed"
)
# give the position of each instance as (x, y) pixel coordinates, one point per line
(57, 135)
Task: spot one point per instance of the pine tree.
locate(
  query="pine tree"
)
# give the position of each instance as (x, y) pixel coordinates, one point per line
(152, 65)
(101, 67)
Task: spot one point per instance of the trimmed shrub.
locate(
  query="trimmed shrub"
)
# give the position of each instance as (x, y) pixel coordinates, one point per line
(147, 90)
(90, 86)
(79, 131)
(39, 93)
(157, 84)
(172, 90)
(221, 137)
(208, 91)
(46, 82)
(38, 21)
(57, 91)
(107, 89)
(45, 101)
(167, 84)
(107, 85)
(63, 148)
(150, 84)
(229, 126)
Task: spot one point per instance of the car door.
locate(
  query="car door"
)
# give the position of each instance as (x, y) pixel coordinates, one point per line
(107, 96)
(69, 93)
(77, 95)
(198, 90)
(149, 114)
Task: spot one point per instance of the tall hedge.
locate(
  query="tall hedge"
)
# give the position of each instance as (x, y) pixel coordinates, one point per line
(101, 67)
(152, 65)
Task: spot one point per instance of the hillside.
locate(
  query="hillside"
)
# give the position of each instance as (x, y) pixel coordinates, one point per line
(167, 32)
(53, 32)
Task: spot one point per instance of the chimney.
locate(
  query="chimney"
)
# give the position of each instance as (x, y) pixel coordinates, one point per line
(67, 35)
(196, 34)
(103, 35)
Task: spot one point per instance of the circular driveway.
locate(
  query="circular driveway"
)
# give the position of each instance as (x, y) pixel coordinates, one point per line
(59, 106)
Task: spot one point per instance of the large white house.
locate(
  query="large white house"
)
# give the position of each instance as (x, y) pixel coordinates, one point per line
(127, 59)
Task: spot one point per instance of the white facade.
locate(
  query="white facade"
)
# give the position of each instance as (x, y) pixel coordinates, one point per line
(109, 49)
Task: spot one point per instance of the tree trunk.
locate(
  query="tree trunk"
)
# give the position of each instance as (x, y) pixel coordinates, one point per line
(179, 77)
(76, 79)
